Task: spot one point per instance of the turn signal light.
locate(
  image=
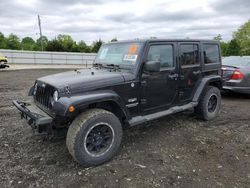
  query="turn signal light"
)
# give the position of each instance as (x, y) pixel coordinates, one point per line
(71, 108)
(237, 75)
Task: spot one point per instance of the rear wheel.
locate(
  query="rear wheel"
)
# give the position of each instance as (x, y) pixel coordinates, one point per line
(94, 137)
(209, 104)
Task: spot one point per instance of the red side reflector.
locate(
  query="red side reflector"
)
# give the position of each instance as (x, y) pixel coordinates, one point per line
(237, 75)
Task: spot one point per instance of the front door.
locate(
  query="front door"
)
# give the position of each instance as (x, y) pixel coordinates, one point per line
(190, 70)
(159, 88)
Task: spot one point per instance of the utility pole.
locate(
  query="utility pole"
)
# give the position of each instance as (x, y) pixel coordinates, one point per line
(40, 29)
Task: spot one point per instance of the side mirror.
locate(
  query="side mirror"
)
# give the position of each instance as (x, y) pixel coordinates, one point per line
(152, 66)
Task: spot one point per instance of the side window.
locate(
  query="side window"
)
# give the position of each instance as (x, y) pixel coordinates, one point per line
(211, 53)
(189, 54)
(162, 53)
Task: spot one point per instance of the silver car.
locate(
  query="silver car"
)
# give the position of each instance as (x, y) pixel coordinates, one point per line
(236, 74)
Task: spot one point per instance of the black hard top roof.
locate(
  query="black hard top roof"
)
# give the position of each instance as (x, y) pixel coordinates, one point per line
(166, 40)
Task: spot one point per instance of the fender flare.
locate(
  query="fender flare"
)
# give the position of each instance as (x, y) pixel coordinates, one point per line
(203, 83)
(85, 99)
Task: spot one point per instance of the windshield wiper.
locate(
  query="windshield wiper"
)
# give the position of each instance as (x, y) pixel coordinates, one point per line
(115, 67)
(99, 65)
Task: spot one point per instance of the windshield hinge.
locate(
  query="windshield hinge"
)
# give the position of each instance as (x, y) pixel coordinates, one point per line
(143, 101)
(144, 83)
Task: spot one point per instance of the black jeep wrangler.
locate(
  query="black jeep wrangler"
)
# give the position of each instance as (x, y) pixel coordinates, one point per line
(130, 83)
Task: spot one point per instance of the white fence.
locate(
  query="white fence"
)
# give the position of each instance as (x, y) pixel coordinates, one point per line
(39, 57)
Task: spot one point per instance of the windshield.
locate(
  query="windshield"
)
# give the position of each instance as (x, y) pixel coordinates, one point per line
(236, 61)
(119, 54)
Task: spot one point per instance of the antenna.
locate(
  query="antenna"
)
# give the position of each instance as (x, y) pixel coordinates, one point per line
(40, 29)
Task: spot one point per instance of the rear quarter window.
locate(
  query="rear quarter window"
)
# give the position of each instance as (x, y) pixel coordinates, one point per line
(211, 53)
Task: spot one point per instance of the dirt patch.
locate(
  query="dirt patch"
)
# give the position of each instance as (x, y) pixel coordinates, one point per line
(177, 151)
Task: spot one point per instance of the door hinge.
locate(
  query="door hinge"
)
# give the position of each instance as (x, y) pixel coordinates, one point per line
(143, 83)
(180, 93)
(143, 101)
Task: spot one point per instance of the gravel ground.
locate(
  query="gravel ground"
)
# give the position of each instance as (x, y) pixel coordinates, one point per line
(176, 151)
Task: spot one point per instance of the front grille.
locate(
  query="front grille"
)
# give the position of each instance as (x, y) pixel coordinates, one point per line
(44, 95)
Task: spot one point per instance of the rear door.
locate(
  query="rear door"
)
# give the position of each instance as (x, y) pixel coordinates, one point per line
(190, 69)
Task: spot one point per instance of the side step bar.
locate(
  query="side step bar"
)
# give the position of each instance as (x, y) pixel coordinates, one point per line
(142, 119)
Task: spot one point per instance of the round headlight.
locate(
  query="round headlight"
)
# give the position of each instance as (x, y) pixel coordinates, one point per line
(35, 89)
(55, 96)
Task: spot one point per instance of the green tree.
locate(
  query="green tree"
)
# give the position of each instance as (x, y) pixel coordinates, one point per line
(218, 38)
(38, 45)
(2, 41)
(66, 41)
(83, 47)
(27, 43)
(224, 47)
(13, 42)
(242, 37)
(233, 48)
(96, 45)
(54, 45)
(75, 47)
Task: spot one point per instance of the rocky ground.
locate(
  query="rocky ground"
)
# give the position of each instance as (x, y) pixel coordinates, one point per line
(177, 151)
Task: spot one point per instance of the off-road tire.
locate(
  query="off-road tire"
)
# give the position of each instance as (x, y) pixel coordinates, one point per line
(79, 130)
(202, 110)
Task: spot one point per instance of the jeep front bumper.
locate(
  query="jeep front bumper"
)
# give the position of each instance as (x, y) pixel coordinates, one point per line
(36, 118)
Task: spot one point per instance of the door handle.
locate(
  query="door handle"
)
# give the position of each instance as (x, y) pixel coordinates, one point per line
(173, 76)
(196, 72)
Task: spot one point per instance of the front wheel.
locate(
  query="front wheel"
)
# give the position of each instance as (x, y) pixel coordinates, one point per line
(94, 137)
(209, 104)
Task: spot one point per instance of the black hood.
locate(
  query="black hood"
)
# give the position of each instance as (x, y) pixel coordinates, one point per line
(85, 80)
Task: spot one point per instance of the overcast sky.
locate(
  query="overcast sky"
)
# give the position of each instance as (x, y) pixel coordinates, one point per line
(90, 20)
